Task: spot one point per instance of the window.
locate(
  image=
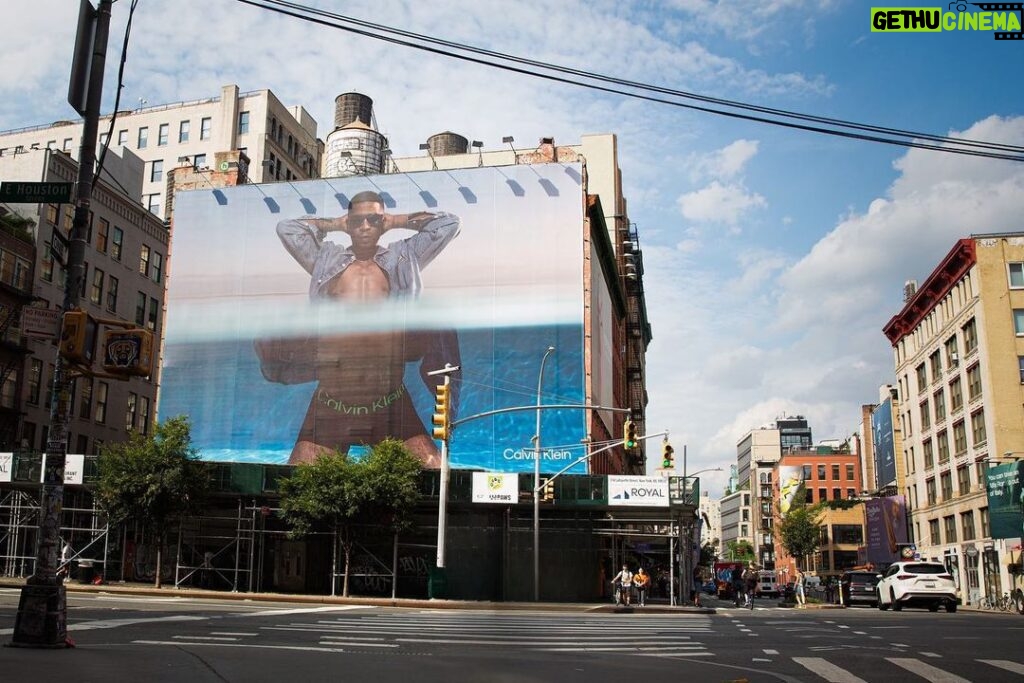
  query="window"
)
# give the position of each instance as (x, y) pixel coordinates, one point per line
(946, 484)
(143, 137)
(143, 415)
(970, 330)
(983, 514)
(161, 135)
(199, 161)
(153, 203)
(183, 130)
(122, 137)
(959, 438)
(67, 144)
(963, 480)
(835, 472)
(102, 235)
(980, 468)
(849, 473)
(978, 435)
(156, 170)
(933, 527)
(157, 267)
(956, 396)
(821, 472)
(967, 525)
(922, 378)
(115, 251)
(929, 487)
(83, 444)
(974, 382)
(1018, 322)
(940, 405)
(943, 443)
(1016, 275)
(243, 122)
(112, 283)
(806, 472)
(154, 315)
(35, 380)
(102, 388)
(47, 263)
(85, 402)
(822, 495)
(926, 416)
(952, 353)
(205, 128)
(1020, 363)
(935, 360)
(129, 413)
(103, 139)
(85, 278)
(851, 494)
(950, 524)
(28, 435)
(96, 293)
(836, 494)
(144, 260)
(140, 309)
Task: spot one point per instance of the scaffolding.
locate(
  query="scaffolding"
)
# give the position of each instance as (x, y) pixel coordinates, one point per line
(217, 551)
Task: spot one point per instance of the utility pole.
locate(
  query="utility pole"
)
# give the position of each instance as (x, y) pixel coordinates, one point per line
(41, 621)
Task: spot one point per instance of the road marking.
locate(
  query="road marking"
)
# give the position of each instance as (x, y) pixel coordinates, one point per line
(676, 654)
(1004, 664)
(830, 672)
(926, 671)
(840, 626)
(205, 638)
(929, 654)
(304, 610)
(348, 637)
(116, 623)
(178, 643)
(356, 644)
(230, 633)
(771, 652)
(860, 633)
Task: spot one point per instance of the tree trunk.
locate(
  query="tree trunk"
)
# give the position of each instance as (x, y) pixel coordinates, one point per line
(347, 546)
(159, 539)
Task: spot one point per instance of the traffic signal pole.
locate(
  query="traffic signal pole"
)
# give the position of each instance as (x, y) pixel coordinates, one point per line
(41, 621)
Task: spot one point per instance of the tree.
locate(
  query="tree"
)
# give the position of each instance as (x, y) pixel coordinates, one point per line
(154, 480)
(798, 531)
(339, 493)
(740, 551)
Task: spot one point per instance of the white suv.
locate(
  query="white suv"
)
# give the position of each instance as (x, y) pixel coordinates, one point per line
(923, 584)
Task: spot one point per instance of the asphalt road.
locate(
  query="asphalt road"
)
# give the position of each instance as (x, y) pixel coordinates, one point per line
(140, 638)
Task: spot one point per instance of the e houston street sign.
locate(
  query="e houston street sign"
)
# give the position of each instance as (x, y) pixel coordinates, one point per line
(20, 192)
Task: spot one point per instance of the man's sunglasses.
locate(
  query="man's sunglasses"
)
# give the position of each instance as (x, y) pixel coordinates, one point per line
(375, 220)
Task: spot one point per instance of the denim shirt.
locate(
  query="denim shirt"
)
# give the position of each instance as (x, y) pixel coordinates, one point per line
(401, 260)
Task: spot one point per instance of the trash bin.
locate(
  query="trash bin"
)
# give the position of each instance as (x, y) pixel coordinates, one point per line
(437, 583)
(86, 572)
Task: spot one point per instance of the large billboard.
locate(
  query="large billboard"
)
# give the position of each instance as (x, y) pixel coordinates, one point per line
(1005, 488)
(792, 490)
(303, 317)
(886, 528)
(882, 442)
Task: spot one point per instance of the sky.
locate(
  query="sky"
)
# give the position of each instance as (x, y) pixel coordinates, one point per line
(772, 257)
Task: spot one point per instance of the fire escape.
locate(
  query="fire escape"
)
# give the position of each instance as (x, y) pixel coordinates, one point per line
(15, 292)
(638, 336)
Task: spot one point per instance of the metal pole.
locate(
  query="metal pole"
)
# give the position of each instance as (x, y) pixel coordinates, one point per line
(442, 507)
(672, 567)
(43, 594)
(394, 568)
(536, 485)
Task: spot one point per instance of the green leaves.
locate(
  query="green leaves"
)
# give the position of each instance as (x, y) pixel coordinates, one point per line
(799, 530)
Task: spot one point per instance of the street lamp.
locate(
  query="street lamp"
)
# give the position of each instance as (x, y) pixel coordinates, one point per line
(536, 484)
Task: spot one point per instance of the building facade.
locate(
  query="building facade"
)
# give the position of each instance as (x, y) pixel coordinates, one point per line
(958, 348)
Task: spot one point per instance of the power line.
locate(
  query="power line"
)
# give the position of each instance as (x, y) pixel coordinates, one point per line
(375, 31)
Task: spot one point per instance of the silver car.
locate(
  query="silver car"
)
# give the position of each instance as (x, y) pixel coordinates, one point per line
(917, 584)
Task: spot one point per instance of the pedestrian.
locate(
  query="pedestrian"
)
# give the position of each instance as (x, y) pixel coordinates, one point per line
(737, 583)
(698, 585)
(750, 585)
(623, 582)
(798, 588)
(641, 582)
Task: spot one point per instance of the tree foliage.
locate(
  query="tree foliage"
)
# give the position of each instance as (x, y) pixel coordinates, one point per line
(798, 531)
(153, 480)
(740, 551)
(337, 493)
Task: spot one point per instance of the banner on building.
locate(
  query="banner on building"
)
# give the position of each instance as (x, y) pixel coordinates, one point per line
(792, 489)
(74, 468)
(626, 490)
(304, 317)
(6, 467)
(886, 521)
(495, 487)
(1006, 500)
(882, 443)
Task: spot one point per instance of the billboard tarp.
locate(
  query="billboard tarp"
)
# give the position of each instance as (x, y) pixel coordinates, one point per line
(303, 317)
(791, 487)
(882, 442)
(1006, 500)
(886, 528)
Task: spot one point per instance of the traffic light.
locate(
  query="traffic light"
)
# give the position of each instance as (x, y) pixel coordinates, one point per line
(78, 338)
(549, 490)
(629, 435)
(442, 411)
(667, 461)
(128, 352)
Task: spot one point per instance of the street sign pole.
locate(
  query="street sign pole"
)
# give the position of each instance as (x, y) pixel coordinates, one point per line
(41, 621)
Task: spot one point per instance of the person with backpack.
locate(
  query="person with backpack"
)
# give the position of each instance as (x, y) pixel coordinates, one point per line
(623, 582)
(737, 583)
(749, 585)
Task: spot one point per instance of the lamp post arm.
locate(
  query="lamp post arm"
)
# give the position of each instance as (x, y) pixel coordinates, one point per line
(565, 406)
(599, 450)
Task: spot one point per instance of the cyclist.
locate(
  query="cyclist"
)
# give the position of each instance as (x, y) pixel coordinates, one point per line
(622, 582)
(737, 583)
(750, 585)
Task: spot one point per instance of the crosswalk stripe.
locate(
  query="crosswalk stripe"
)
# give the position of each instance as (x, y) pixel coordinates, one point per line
(827, 670)
(927, 671)
(1004, 664)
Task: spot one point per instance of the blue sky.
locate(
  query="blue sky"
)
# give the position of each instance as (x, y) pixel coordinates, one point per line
(772, 257)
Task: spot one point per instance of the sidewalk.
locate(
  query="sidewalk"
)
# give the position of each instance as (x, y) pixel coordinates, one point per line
(199, 593)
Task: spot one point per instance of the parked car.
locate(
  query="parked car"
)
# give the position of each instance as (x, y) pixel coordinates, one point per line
(920, 584)
(859, 587)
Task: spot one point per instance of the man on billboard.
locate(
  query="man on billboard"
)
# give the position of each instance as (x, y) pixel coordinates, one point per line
(361, 397)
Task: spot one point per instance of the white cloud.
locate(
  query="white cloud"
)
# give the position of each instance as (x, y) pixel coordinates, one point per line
(725, 163)
(718, 203)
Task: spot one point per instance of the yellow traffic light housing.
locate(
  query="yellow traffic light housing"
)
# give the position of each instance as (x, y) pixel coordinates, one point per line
(128, 352)
(667, 460)
(78, 338)
(629, 441)
(442, 411)
(548, 490)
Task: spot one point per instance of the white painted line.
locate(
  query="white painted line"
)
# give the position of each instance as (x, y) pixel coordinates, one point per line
(926, 671)
(1004, 664)
(930, 654)
(116, 623)
(676, 654)
(860, 633)
(840, 626)
(899, 645)
(760, 659)
(830, 672)
(771, 652)
(230, 633)
(348, 637)
(356, 644)
(178, 643)
(205, 638)
(302, 610)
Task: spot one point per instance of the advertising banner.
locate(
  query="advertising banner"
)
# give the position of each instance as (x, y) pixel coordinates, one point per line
(74, 468)
(886, 520)
(791, 487)
(304, 317)
(1006, 499)
(637, 491)
(494, 487)
(6, 466)
(882, 440)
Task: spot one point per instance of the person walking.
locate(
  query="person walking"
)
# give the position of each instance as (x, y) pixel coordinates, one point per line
(698, 585)
(641, 582)
(798, 588)
(750, 585)
(623, 582)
